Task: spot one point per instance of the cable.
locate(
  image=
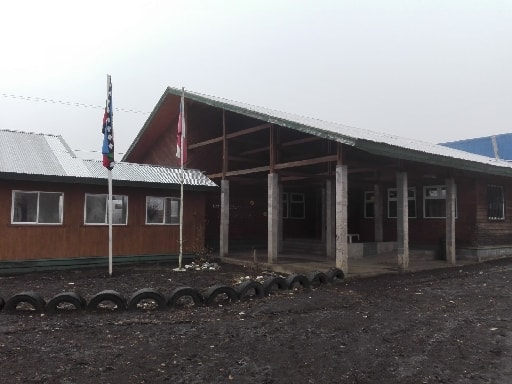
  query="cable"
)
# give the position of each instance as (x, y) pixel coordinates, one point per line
(68, 103)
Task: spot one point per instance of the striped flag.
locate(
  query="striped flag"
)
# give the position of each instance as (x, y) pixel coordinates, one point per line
(181, 139)
(108, 130)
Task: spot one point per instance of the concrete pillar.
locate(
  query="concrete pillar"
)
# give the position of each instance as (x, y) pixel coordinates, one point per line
(224, 218)
(341, 218)
(402, 221)
(273, 217)
(280, 227)
(378, 213)
(450, 220)
(330, 219)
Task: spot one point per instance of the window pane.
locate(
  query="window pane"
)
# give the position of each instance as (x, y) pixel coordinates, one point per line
(25, 207)
(49, 207)
(96, 209)
(495, 203)
(154, 210)
(173, 211)
(119, 209)
(435, 208)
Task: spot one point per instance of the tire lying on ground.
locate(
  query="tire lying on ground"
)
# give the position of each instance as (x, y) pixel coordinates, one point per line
(73, 298)
(33, 298)
(335, 274)
(274, 283)
(183, 293)
(147, 294)
(220, 294)
(249, 289)
(296, 281)
(107, 295)
(317, 278)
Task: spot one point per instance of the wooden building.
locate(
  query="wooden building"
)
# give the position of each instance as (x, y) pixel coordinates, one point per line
(54, 207)
(295, 184)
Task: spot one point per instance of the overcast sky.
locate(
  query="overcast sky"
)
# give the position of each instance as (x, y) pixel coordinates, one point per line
(429, 70)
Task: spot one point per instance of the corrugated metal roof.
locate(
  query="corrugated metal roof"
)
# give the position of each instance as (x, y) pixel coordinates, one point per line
(31, 154)
(375, 142)
(485, 146)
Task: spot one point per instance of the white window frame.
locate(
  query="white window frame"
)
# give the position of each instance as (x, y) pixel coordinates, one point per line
(37, 222)
(502, 203)
(165, 200)
(411, 199)
(369, 199)
(440, 195)
(116, 200)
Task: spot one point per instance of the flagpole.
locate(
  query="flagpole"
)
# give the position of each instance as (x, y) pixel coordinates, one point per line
(110, 222)
(180, 259)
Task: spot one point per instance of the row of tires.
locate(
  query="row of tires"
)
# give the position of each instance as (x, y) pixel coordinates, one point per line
(216, 294)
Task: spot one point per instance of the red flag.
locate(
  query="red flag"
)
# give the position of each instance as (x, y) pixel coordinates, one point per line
(181, 139)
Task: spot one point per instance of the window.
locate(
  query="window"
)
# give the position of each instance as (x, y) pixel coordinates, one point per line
(294, 205)
(37, 207)
(495, 203)
(96, 209)
(393, 202)
(369, 204)
(162, 210)
(434, 202)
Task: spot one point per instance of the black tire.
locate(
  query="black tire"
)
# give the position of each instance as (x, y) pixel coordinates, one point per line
(249, 289)
(295, 281)
(211, 296)
(67, 297)
(317, 278)
(147, 293)
(107, 295)
(181, 292)
(274, 283)
(32, 298)
(2, 303)
(335, 274)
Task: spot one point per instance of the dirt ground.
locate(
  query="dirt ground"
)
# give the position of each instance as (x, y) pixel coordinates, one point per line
(444, 326)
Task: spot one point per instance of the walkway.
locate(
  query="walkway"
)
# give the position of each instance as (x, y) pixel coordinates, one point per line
(386, 263)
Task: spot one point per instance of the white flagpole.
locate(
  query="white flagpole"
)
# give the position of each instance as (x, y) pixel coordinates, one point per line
(183, 127)
(110, 222)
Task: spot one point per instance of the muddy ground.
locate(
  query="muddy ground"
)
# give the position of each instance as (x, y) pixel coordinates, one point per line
(444, 326)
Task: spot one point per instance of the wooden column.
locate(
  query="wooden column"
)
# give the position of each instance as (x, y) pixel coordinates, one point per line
(273, 217)
(402, 221)
(330, 219)
(341, 218)
(378, 213)
(224, 218)
(450, 220)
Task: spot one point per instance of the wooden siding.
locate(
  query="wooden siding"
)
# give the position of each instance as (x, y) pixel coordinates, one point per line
(75, 239)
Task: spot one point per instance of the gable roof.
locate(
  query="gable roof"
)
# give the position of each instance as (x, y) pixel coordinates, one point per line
(34, 156)
(369, 141)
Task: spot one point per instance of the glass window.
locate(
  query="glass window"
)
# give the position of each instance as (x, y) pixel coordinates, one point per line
(96, 209)
(434, 202)
(369, 204)
(162, 210)
(294, 205)
(393, 202)
(495, 202)
(37, 207)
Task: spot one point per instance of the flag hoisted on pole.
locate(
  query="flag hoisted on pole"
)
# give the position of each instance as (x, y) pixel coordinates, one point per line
(108, 161)
(181, 153)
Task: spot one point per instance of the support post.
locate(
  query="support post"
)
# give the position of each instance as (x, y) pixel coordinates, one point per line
(378, 213)
(330, 219)
(450, 220)
(224, 218)
(341, 218)
(402, 221)
(273, 217)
